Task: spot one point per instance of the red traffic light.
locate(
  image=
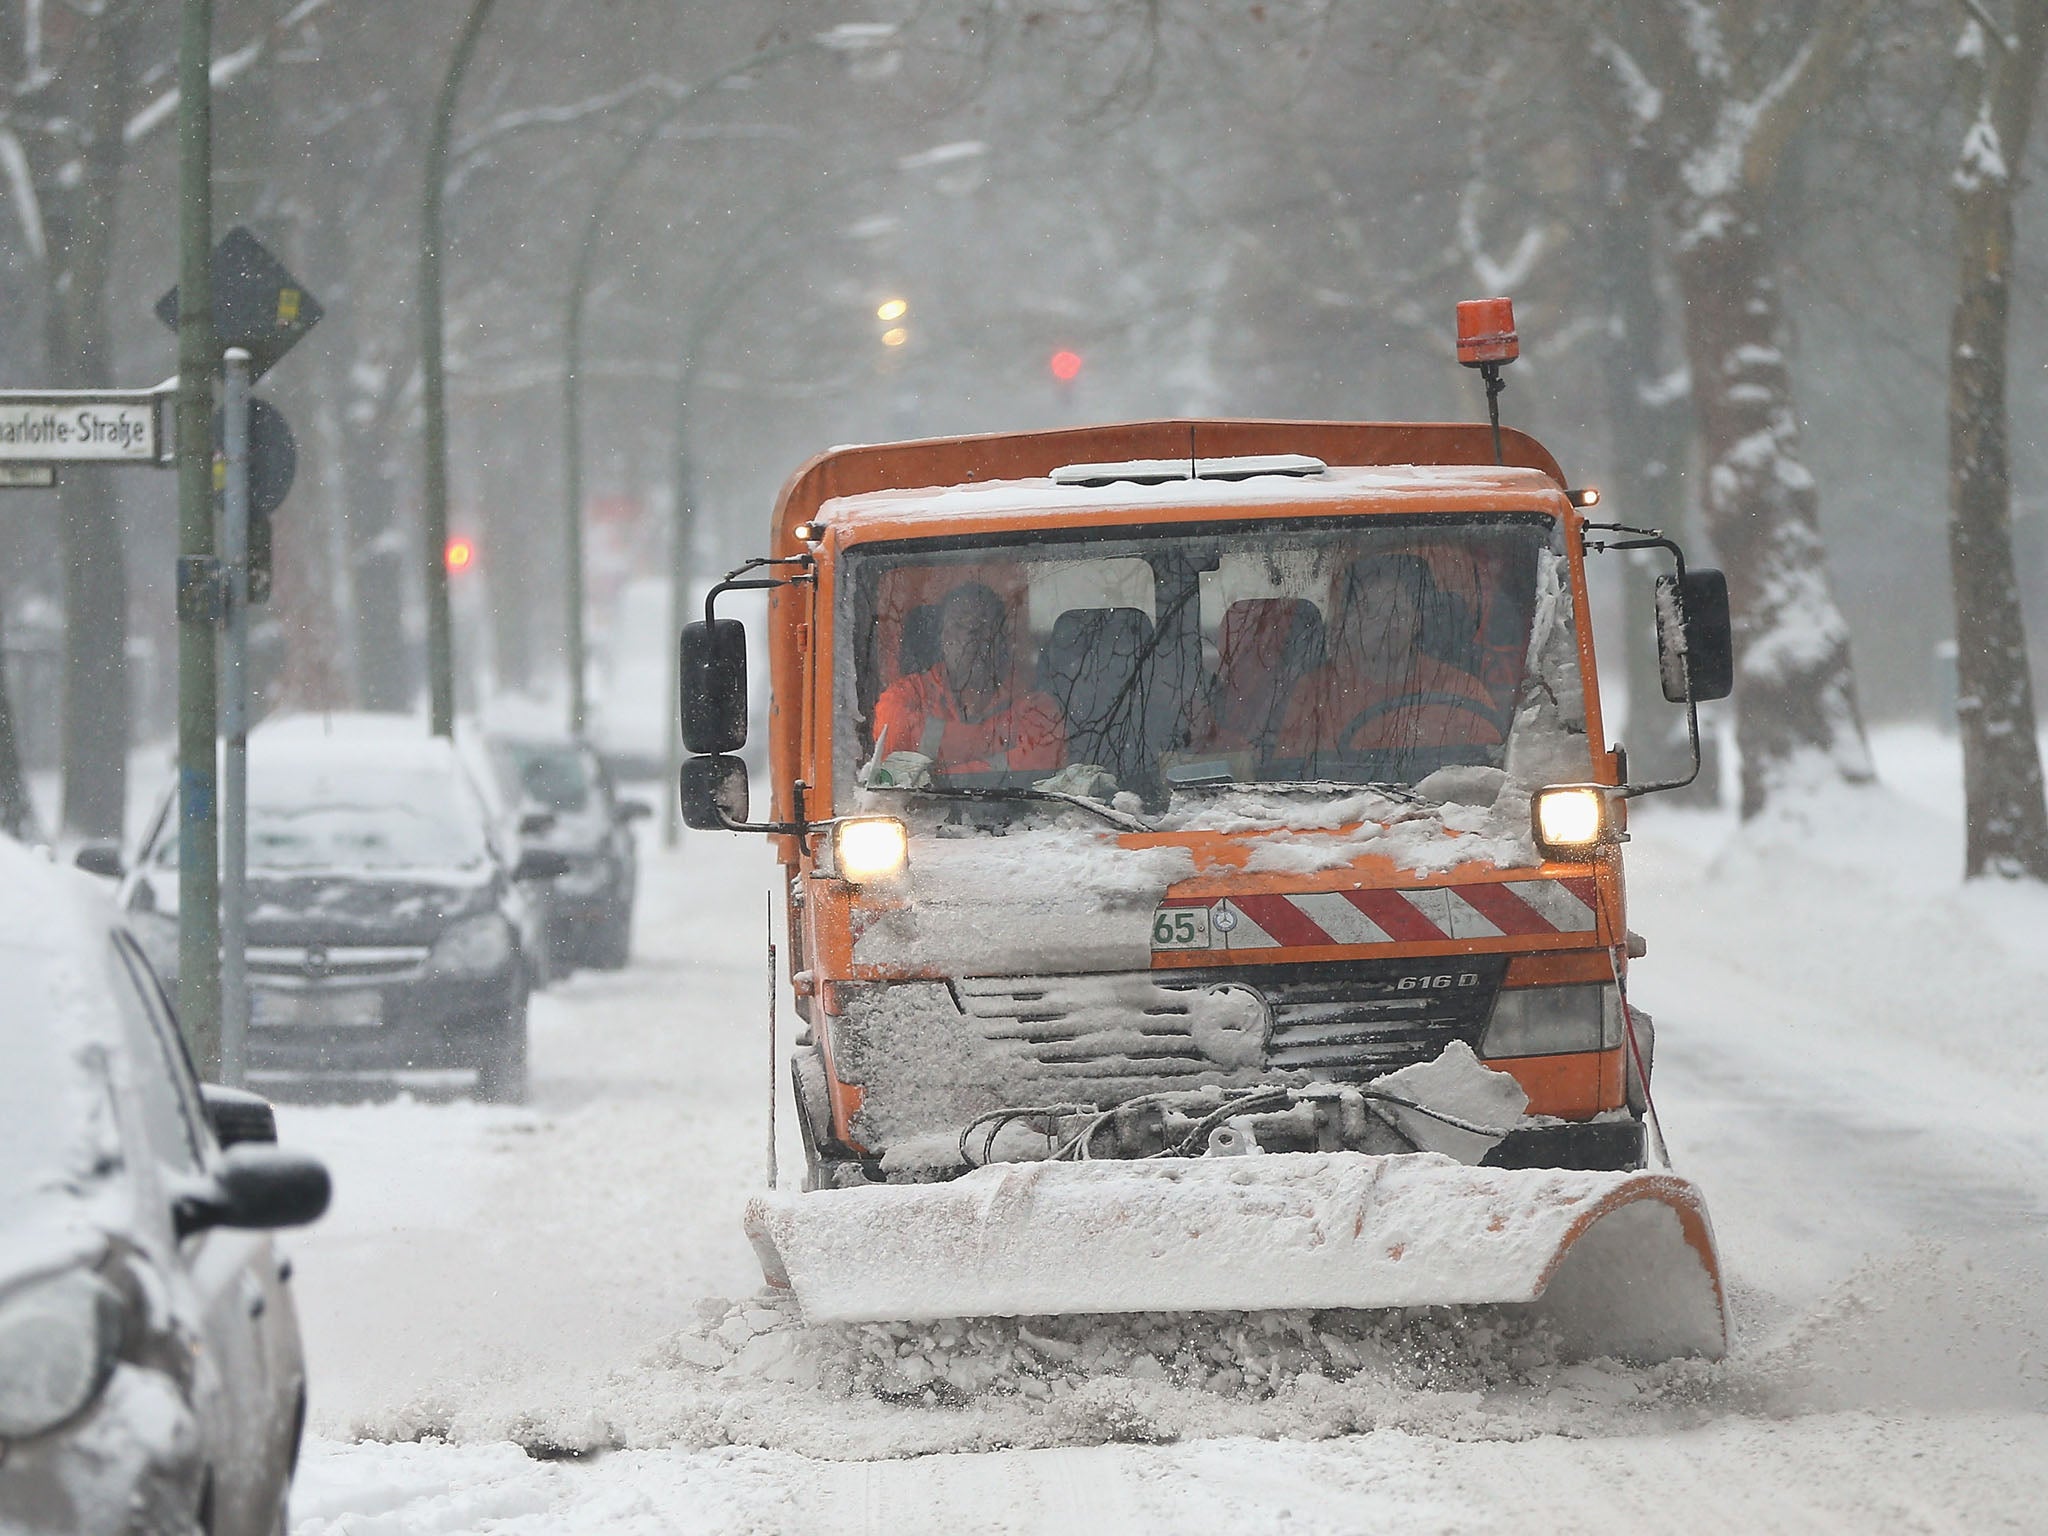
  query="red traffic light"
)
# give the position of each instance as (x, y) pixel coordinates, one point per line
(460, 555)
(1486, 332)
(1066, 365)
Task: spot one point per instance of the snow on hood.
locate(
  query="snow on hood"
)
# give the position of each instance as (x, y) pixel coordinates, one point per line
(1050, 898)
(366, 901)
(1456, 816)
(57, 1134)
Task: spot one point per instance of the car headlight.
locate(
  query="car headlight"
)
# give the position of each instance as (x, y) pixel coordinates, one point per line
(867, 848)
(1571, 820)
(586, 877)
(473, 946)
(58, 1340)
(1553, 1021)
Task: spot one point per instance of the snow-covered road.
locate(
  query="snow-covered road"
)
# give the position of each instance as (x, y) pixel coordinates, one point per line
(1853, 1062)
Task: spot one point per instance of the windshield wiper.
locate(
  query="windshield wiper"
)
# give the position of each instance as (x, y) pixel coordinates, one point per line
(1110, 814)
(1303, 786)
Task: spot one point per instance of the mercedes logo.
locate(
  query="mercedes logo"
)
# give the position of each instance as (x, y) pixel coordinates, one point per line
(316, 962)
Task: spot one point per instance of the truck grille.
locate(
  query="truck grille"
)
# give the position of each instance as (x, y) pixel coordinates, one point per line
(1107, 1027)
(1347, 1021)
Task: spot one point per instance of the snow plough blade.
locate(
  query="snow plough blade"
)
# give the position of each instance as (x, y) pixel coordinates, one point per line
(1618, 1263)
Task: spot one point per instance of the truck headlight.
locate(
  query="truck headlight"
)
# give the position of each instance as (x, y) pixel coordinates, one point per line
(866, 848)
(1571, 820)
(58, 1339)
(1553, 1021)
(473, 947)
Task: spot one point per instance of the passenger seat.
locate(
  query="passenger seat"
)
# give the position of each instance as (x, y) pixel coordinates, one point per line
(1091, 665)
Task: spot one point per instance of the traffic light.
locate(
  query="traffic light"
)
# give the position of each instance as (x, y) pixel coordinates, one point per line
(460, 554)
(1066, 365)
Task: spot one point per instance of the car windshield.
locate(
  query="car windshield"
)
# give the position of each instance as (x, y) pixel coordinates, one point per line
(351, 816)
(357, 818)
(1179, 659)
(554, 776)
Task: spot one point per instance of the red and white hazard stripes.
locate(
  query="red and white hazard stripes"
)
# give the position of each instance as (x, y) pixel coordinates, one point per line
(1493, 909)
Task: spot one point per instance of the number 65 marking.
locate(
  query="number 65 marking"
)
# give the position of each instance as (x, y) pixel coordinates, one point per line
(1180, 928)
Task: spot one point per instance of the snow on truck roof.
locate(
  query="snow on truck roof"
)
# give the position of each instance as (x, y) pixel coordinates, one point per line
(1144, 487)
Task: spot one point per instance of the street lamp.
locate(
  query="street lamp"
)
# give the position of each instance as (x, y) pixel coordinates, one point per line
(434, 399)
(712, 310)
(846, 38)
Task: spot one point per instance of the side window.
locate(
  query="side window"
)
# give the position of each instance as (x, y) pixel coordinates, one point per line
(173, 1117)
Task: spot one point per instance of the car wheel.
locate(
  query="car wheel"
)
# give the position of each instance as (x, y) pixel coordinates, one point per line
(501, 1070)
(611, 946)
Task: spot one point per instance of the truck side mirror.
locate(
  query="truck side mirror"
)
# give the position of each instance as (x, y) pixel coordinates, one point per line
(1695, 637)
(714, 793)
(714, 678)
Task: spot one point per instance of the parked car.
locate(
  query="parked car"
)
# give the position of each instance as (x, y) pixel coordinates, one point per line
(561, 796)
(151, 1377)
(388, 932)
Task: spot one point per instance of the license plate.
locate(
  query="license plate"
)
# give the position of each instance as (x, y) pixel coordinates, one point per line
(335, 1010)
(1180, 928)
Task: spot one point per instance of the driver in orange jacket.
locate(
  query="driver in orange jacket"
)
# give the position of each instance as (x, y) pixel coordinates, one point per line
(1380, 691)
(966, 713)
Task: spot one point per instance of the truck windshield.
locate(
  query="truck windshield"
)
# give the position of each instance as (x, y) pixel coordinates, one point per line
(1354, 651)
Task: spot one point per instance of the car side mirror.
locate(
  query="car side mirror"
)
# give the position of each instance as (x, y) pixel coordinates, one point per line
(238, 1118)
(634, 810)
(1695, 637)
(714, 681)
(257, 1189)
(715, 793)
(100, 859)
(540, 864)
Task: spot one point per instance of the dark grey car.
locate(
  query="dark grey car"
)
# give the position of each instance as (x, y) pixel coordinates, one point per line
(563, 797)
(387, 937)
(151, 1378)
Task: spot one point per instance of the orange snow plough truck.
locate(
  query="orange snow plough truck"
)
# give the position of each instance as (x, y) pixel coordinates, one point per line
(1204, 881)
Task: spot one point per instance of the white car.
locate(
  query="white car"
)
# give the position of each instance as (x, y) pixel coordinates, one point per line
(150, 1370)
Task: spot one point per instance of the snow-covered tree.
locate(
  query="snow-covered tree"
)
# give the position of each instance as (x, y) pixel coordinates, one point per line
(2007, 818)
(1721, 92)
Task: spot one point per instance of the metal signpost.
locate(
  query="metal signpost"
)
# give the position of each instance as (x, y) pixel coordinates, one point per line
(260, 312)
(234, 725)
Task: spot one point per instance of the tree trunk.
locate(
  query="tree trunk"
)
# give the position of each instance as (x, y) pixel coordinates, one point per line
(1796, 717)
(80, 357)
(2007, 819)
(17, 810)
(385, 674)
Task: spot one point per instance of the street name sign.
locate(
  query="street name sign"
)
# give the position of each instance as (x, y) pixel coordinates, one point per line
(81, 427)
(27, 477)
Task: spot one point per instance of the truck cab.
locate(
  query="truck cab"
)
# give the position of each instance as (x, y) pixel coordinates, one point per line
(1135, 784)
